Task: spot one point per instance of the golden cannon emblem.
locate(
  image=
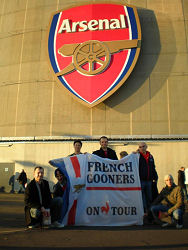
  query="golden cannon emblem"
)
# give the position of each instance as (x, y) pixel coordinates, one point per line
(78, 188)
(94, 53)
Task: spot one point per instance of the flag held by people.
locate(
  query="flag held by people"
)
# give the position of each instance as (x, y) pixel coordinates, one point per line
(101, 192)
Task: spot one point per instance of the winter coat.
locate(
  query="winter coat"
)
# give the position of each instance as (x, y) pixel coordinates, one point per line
(147, 171)
(171, 197)
(110, 153)
(32, 199)
(181, 179)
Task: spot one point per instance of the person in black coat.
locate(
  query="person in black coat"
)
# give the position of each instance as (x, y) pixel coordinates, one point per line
(181, 177)
(148, 176)
(181, 181)
(22, 179)
(60, 186)
(37, 199)
(104, 151)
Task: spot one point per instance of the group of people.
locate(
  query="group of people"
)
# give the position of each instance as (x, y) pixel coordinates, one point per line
(167, 207)
(39, 203)
(169, 203)
(164, 208)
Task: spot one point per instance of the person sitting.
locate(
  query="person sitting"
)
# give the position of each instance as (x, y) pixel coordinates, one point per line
(170, 202)
(37, 199)
(57, 201)
(38, 202)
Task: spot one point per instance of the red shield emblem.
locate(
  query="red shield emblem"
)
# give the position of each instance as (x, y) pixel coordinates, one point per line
(94, 48)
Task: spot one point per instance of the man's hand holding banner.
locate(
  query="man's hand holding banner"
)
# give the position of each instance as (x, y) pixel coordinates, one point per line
(100, 191)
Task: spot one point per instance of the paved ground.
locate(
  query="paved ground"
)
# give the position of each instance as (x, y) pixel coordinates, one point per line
(14, 236)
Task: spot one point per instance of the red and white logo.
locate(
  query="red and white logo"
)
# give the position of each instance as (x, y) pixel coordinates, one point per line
(94, 48)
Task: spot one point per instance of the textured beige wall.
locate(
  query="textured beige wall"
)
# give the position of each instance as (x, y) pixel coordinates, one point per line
(169, 156)
(152, 102)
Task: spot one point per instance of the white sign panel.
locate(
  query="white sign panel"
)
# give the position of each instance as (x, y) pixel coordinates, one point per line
(102, 192)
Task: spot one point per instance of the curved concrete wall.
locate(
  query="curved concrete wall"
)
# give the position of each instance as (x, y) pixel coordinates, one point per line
(169, 157)
(152, 102)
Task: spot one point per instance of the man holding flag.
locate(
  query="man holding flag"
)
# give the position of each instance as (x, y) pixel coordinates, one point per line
(101, 192)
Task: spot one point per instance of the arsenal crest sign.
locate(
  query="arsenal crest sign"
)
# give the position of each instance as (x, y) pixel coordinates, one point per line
(93, 49)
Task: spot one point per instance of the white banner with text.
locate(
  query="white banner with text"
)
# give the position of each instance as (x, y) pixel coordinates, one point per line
(102, 192)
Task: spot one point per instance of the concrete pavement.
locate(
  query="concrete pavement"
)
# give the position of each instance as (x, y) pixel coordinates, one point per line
(13, 234)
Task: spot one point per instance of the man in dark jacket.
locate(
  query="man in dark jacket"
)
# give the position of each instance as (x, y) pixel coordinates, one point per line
(148, 176)
(104, 151)
(37, 199)
(38, 202)
(181, 181)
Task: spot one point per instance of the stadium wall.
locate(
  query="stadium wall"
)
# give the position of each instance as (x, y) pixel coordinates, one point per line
(151, 105)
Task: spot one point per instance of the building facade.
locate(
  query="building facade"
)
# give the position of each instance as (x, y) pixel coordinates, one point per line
(39, 119)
